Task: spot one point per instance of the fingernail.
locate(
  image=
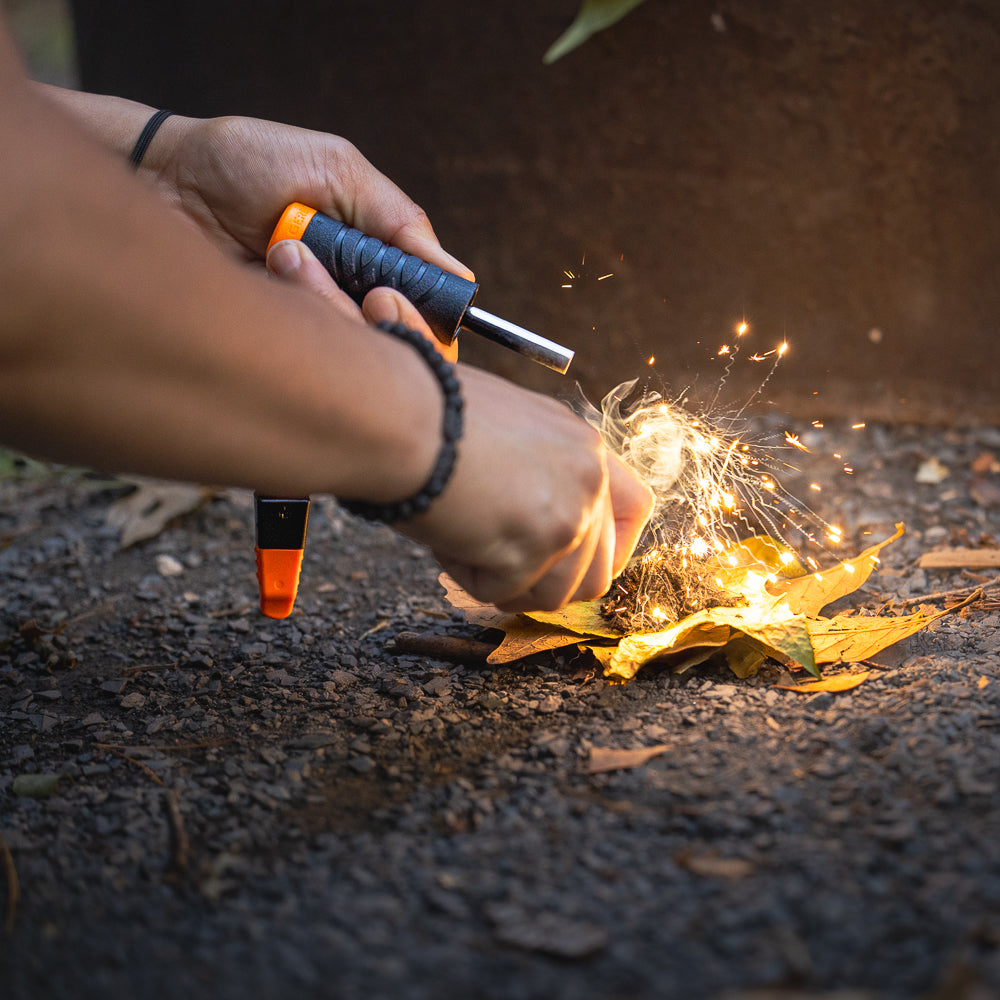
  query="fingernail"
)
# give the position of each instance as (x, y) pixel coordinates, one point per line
(285, 257)
(457, 267)
(386, 304)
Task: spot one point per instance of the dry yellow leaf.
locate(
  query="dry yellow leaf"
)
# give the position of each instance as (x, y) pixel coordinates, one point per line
(836, 682)
(808, 595)
(852, 638)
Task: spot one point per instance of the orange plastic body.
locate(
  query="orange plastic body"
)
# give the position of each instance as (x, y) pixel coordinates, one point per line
(278, 580)
(292, 224)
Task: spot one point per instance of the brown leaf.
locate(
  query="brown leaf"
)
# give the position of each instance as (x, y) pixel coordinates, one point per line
(714, 866)
(960, 559)
(146, 511)
(524, 637)
(476, 612)
(835, 682)
(808, 595)
(985, 462)
(583, 618)
(603, 759)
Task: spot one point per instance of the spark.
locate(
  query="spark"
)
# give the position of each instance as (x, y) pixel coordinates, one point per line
(857, 427)
(713, 487)
(652, 359)
(603, 276)
(569, 274)
(793, 440)
(722, 350)
(567, 286)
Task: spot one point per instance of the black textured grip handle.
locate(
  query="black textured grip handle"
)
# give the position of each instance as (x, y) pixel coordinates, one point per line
(359, 263)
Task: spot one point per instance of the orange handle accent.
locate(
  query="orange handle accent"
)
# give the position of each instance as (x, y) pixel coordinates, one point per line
(292, 224)
(278, 580)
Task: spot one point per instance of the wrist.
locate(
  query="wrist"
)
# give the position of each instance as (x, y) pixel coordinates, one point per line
(450, 432)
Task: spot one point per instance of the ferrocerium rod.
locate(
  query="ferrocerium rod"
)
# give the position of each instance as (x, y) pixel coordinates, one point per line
(359, 263)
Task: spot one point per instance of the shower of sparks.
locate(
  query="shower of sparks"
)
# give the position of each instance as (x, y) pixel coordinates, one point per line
(713, 490)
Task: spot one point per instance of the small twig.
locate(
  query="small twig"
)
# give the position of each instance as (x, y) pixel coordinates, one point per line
(13, 886)
(180, 845)
(375, 628)
(941, 595)
(442, 647)
(160, 747)
(138, 763)
(141, 668)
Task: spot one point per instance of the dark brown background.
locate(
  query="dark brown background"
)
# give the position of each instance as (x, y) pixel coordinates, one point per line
(821, 169)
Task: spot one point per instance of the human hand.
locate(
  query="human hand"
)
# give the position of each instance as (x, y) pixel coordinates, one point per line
(293, 261)
(538, 512)
(234, 177)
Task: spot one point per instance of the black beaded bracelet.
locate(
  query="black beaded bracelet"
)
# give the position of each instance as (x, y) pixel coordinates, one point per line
(146, 136)
(451, 431)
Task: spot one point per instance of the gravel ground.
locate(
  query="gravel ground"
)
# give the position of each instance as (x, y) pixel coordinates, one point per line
(288, 809)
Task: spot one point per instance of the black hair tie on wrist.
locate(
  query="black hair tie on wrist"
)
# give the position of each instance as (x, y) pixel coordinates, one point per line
(146, 136)
(451, 431)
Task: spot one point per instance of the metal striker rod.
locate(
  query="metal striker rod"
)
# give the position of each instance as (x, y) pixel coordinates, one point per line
(515, 337)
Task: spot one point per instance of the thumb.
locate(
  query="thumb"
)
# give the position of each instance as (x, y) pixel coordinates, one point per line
(294, 262)
(387, 305)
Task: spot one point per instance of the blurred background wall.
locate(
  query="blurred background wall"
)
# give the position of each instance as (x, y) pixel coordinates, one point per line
(828, 172)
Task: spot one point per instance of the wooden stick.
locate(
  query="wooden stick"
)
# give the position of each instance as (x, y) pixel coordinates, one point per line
(441, 647)
(138, 763)
(180, 845)
(140, 668)
(941, 595)
(13, 886)
(160, 747)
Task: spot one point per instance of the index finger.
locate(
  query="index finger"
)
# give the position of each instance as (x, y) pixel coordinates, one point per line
(367, 200)
(632, 502)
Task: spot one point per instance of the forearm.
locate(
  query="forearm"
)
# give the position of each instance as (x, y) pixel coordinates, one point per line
(128, 342)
